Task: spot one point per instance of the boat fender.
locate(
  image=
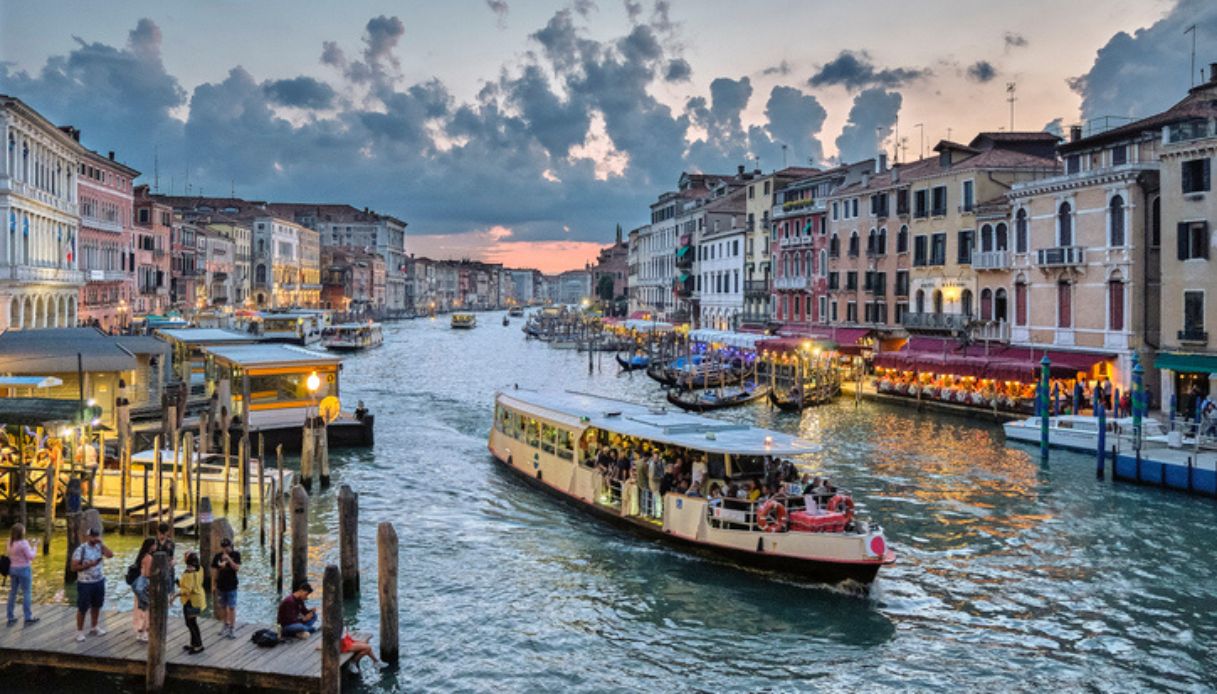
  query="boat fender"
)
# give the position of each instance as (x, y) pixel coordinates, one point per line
(839, 502)
(876, 545)
(772, 517)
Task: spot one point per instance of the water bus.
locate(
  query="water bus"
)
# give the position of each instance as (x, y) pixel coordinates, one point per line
(299, 327)
(552, 440)
(464, 321)
(351, 337)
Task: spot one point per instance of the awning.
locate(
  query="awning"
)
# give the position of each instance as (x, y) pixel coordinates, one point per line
(1074, 362)
(1187, 363)
(682, 251)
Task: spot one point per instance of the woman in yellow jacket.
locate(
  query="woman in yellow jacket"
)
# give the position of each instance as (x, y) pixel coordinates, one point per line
(194, 599)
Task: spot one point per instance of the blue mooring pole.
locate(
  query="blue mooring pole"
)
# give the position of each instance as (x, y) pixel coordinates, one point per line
(1077, 397)
(1174, 405)
(1138, 402)
(1044, 364)
(1115, 403)
(1100, 455)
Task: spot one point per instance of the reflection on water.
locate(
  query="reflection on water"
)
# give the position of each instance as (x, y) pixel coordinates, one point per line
(1010, 574)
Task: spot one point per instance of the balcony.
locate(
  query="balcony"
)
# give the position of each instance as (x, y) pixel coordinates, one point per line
(935, 321)
(101, 224)
(990, 260)
(1193, 335)
(756, 287)
(105, 275)
(996, 330)
(1060, 256)
(27, 273)
(790, 283)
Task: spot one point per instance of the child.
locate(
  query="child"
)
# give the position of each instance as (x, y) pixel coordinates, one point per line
(193, 601)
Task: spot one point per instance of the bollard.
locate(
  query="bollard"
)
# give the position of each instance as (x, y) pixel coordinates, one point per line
(386, 581)
(299, 535)
(331, 630)
(262, 500)
(159, 595)
(205, 522)
(348, 537)
(281, 523)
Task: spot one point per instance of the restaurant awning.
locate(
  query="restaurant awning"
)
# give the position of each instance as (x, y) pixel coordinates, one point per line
(1186, 363)
(682, 251)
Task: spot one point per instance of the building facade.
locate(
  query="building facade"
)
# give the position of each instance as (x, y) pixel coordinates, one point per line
(105, 191)
(721, 261)
(153, 231)
(758, 252)
(40, 278)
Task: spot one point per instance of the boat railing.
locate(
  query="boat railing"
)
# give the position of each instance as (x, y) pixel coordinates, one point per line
(741, 514)
(1193, 434)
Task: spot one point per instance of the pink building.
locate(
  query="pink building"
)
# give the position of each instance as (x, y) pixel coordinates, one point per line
(153, 233)
(107, 257)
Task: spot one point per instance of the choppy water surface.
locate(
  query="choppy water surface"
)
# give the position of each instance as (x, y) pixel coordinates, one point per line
(1010, 574)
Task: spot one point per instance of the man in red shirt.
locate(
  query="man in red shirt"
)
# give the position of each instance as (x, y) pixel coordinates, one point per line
(295, 617)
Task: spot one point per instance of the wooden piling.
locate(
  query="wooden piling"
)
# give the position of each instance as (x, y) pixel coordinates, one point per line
(306, 456)
(204, 522)
(124, 482)
(262, 500)
(348, 538)
(204, 430)
(159, 595)
(386, 581)
(331, 630)
(227, 467)
(321, 450)
(156, 474)
(281, 504)
(188, 460)
(299, 535)
(245, 501)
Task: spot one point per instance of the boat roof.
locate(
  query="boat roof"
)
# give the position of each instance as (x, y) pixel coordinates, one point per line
(267, 354)
(660, 424)
(353, 326)
(199, 336)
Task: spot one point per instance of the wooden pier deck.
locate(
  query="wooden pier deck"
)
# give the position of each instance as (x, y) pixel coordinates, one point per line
(293, 665)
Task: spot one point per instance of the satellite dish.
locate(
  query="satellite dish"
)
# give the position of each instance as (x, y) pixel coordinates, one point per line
(328, 408)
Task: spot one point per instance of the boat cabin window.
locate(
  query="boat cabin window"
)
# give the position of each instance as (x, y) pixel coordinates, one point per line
(716, 466)
(548, 438)
(502, 420)
(747, 466)
(289, 387)
(532, 432)
(565, 445)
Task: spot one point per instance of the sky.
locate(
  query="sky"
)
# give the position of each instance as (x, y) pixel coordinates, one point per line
(525, 132)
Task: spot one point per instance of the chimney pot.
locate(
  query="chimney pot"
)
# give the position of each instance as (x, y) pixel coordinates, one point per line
(1075, 133)
(1213, 72)
(741, 169)
(111, 155)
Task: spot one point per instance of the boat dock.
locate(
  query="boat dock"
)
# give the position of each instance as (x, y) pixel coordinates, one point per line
(1183, 469)
(294, 665)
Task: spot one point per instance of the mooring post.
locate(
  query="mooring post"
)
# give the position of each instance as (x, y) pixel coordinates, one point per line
(52, 472)
(306, 455)
(1102, 415)
(243, 475)
(299, 535)
(331, 630)
(386, 581)
(281, 523)
(262, 500)
(227, 467)
(157, 478)
(205, 522)
(348, 537)
(74, 525)
(321, 450)
(159, 594)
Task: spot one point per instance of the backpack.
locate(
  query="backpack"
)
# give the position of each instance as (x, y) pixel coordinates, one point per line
(132, 574)
(266, 638)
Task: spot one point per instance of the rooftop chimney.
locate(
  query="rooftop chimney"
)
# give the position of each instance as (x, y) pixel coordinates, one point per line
(756, 172)
(1075, 133)
(741, 170)
(1213, 72)
(111, 155)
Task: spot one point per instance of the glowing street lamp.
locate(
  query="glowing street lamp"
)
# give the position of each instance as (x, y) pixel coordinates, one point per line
(313, 382)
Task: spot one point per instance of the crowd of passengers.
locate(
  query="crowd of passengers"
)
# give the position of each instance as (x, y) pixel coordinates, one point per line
(657, 471)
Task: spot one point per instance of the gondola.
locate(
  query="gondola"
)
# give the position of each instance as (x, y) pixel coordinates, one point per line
(633, 362)
(506, 322)
(789, 401)
(709, 400)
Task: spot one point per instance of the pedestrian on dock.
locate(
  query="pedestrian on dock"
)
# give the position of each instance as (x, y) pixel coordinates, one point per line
(226, 563)
(20, 574)
(295, 617)
(90, 582)
(164, 543)
(194, 599)
(139, 587)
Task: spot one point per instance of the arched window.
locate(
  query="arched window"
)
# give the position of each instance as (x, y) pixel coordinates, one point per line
(986, 238)
(1020, 302)
(260, 274)
(1064, 225)
(1115, 221)
(834, 245)
(965, 302)
(872, 242)
(937, 301)
(986, 304)
(1020, 231)
(902, 239)
(823, 263)
(919, 301)
(1000, 242)
(1115, 303)
(853, 243)
(882, 249)
(999, 305)
(807, 264)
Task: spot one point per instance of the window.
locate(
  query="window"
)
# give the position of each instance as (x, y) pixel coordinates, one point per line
(851, 280)
(1195, 176)
(965, 247)
(1020, 231)
(872, 243)
(879, 205)
(919, 301)
(853, 244)
(881, 249)
(834, 211)
(752, 192)
(921, 203)
(1119, 155)
(1000, 241)
(986, 304)
(920, 245)
(1020, 303)
(834, 281)
(1073, 164)
(938, 249)
(902, 202)
(902, 239)
(766, 191)
(968, 203)
(1115, 305)
(940, 201)
(855, 205)
(834, 246)
(1155, 224)
(1115, 221)
(823, 308)
(823, 263)
(1064, 225)
(851, 312)
(1193, 240)
(986, 238)
(1064, 301)
(902, 283)
(1193, 312)
(834, 311)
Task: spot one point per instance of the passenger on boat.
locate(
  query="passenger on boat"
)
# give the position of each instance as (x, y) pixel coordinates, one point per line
(700, 470)
(715, 495)
(656, 472)
(753, 492)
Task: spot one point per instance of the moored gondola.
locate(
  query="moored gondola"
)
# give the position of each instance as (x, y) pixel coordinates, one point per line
(633, 362)
(794, 401)
(710, 400)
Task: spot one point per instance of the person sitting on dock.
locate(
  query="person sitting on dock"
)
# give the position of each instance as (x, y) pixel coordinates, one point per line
(295, 617)
(194, 599)
(90, 582)
(358, 650)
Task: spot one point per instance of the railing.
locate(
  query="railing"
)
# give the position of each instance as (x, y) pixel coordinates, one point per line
(756, 286)
(101, 224)
(727, 513)
(790, 282)
(990, 330)
(936, 321)
(990, 260)
(1060, 256)
(106, 276)
(29, 273)
(1192, 335)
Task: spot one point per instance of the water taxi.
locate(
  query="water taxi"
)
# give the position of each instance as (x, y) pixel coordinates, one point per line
(553, 441)
(1081, 432)
(299, 327)
(464, 321)
(516, 311)
(350, 337)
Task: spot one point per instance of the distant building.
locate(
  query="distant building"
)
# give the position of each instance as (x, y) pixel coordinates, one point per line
(352, 281)
(571, 287)
(107, 255)
(610, 274)
(720, 262)
(153, 267)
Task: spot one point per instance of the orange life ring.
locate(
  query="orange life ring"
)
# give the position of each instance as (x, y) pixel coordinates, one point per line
(778, 524)
(839, 502)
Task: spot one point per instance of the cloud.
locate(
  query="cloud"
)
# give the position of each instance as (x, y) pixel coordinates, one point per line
(782, 68)
(301, 92)
(854, 70)
(1014, 40)
(584, 7)
(981, 71)
(1144, 73)
(633, 10)
(795, 120)
(870, 122)
(678, 70)
(500, 9)
(1056, 126)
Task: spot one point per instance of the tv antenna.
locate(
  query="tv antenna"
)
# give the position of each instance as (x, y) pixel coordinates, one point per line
(1010, 97)
(1192, 71)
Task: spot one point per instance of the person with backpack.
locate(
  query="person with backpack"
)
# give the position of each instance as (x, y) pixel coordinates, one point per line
(90, 582)
(20, 577)
(137, 578)
(194, 599)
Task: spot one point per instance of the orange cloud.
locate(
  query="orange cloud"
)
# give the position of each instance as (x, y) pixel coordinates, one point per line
(494, 246)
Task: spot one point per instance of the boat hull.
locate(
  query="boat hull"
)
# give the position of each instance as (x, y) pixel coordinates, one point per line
(699, 405)
(628, 365)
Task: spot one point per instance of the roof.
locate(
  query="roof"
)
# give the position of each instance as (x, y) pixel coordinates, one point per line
(205, 336)
(267, 354)
(37, 411)
(55, 350)
(1201, 102)
(583, 410)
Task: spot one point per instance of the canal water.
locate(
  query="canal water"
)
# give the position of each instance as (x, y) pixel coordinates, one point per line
(1011, 574)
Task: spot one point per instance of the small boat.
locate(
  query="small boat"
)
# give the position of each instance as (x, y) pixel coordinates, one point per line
(794, 401)
(709, 399)
(700, 375)
(516, 311)
(351, 337)
(464, 321)
(1081, 432)
(506, 321)
(550, 441)
(633, 362)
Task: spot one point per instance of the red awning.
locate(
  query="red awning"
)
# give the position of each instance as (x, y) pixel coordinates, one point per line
(848, 336)
(1077, 361)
